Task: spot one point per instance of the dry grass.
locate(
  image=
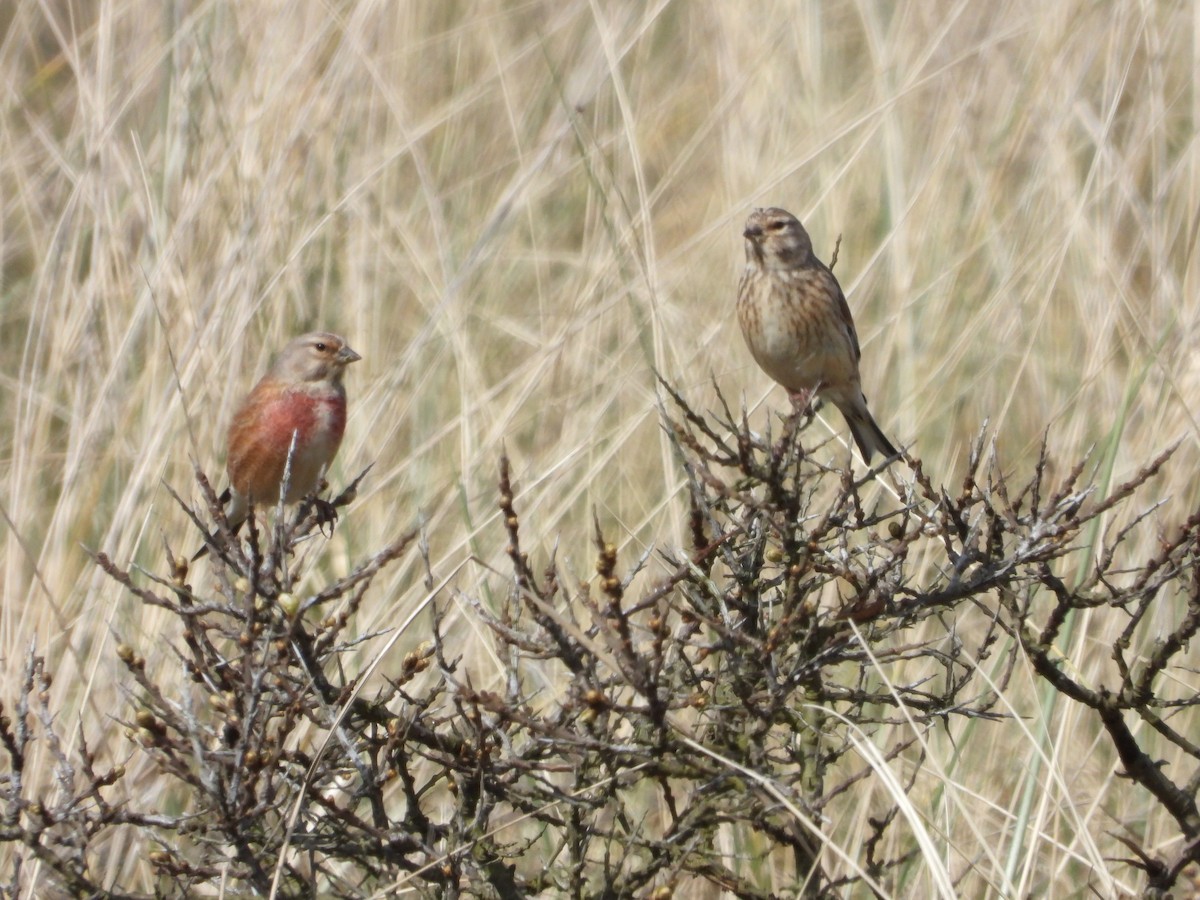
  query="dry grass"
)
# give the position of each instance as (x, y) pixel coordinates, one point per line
(516, 212)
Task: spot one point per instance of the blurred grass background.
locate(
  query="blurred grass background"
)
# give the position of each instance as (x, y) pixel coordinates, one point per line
(516, 212)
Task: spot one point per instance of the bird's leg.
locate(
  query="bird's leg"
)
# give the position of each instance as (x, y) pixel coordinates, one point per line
(804, 406)
(327, 514)
(802, 398)
(324, 510)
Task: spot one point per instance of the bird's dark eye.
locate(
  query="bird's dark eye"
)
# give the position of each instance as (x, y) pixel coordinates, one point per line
(774, 226)
(321, 346)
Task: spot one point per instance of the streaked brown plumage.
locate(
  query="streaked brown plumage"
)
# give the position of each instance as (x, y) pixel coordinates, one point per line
(797, 323)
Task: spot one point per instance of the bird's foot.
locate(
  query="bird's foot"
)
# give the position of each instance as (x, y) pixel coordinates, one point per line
(805, 401)
(326, 514)
(800, 399)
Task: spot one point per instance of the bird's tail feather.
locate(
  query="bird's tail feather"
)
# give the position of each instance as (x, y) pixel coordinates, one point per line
(868, 435)
(235, 515)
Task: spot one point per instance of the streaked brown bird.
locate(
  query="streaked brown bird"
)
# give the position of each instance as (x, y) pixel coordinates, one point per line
(797, 323)
(300, 399)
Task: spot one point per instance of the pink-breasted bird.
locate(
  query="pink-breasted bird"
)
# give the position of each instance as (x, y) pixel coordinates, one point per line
(301, 398)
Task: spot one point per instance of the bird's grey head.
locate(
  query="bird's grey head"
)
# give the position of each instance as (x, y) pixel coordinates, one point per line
(775, 239)
(319, 356)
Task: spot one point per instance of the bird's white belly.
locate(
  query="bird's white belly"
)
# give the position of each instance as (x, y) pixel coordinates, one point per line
(798, 366)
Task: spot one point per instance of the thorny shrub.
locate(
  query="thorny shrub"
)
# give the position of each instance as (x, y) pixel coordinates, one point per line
(646, 735)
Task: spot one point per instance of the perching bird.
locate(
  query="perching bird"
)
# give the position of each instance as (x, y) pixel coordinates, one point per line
(301, 398)
(798, 326)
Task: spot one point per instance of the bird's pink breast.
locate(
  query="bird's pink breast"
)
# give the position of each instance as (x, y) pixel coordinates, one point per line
(261, 436)
(312, 418)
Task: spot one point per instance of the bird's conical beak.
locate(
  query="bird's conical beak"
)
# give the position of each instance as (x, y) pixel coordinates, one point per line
(346, 356)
